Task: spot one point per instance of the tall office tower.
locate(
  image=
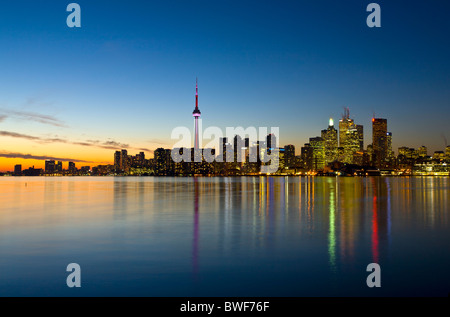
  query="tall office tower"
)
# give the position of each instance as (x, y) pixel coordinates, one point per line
(49, 166)
(246, 150)
(123, 160)
(423, 151)
(239, 149)
(307, 156)
(351, 137)
(318, 155)
(271, 141)
(223, 149)
(247, 142)
(58, 167)
(141, 158)
(160, 161)
(389, 151)
(344, 124)
(117, 156)
(262, 151)
(289, 156)
(18, 170)
(169, 163)
(72, 166)
(196, 114)
(360, 130)
(281, 159)
(351, 144)
(330, 140)
(253, 157)
(447, 153)
(379, 141)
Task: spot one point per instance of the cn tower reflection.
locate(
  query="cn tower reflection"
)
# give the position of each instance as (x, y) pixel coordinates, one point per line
(195, 239)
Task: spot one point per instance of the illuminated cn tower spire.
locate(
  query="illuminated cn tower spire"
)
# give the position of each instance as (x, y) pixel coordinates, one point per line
(196, 113)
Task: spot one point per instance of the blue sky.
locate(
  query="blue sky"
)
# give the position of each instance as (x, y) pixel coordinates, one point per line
(128, 74)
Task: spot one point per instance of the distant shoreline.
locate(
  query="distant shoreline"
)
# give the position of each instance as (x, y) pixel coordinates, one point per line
(224, 176)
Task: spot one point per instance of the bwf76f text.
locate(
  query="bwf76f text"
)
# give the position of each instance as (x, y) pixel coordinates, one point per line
(227, 307)
(246, 306)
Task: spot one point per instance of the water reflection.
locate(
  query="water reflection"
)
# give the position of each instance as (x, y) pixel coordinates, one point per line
(332, 226)
(349, 207)
(198, 228)
(196, 220)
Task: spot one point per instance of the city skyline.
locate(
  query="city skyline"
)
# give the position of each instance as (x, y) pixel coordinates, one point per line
(224, 156)
(124, 79)
(348, 138)
(335, 152)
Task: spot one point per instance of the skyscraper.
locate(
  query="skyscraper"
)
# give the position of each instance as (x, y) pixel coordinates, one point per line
(289, 156)
(18, 170)
(360, 130)
(379, 141)
(49, 166)
(351, 144)
(72, 166)
(223, 142)
(238, 147)
(117, 156)
(58, 167)
(351, 137)
(317, 153)
(307, 156)
(271, 141)
(124, 161)
(281, 159)
(161, 161)
(330, 140)
(389, 151)
(141, 159)
(344, 124)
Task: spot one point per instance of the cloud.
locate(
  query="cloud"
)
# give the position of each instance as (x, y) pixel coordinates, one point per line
(83, 143)
(19, 135)
(108, 145)
(31, 137)
(145, 150)
(58, 140)
(40, 157)
(3, 117)
(93, 141)
(115, 144)
(32, 116)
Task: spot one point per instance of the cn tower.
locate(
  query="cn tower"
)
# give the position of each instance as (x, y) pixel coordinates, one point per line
(196, 114)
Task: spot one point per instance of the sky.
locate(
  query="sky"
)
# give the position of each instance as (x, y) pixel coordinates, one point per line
(126, 78)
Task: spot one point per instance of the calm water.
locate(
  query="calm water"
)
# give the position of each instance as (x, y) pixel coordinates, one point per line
(249, 236)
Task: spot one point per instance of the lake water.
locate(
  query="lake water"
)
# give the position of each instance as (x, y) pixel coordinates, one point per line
(238, 236)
